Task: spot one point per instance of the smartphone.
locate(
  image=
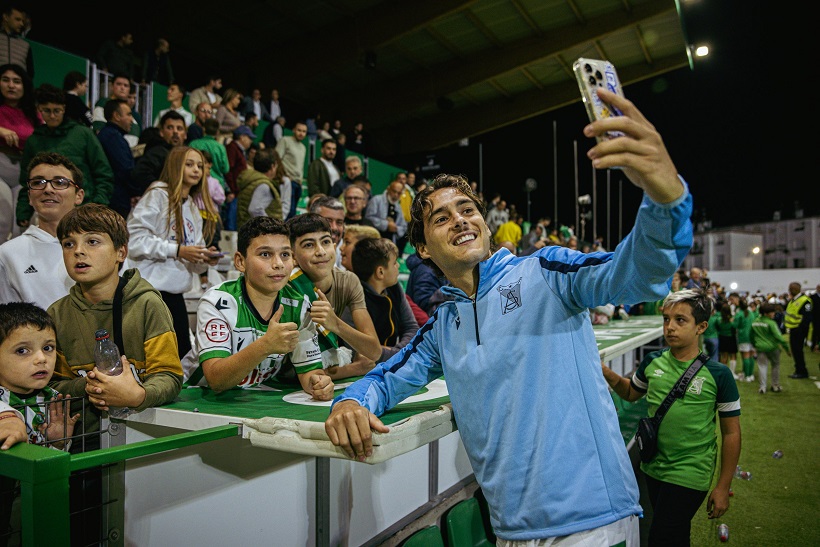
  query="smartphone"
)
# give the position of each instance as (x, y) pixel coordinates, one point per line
(593, 74)
(215, 254)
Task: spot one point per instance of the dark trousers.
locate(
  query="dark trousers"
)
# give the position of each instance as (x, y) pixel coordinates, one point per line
(179, 313)
(797, 341)
(673, 507)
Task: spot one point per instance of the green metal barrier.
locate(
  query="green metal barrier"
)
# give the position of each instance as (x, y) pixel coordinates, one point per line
(43, 474)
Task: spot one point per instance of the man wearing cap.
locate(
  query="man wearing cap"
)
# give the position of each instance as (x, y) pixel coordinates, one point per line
(238, 160)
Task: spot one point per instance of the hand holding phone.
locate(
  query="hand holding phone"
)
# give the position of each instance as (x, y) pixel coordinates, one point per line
(591, 75)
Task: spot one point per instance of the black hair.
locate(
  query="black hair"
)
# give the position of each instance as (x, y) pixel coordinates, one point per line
(15, 315)
(171, 115)
(26, 102)
(48, 93)
(258, 226)
(55, 158)
(72, 79)
(370, 253)
(111, 106)
(306, 223)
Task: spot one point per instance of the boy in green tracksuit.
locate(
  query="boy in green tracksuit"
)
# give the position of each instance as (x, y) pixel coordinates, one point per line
(767, 341)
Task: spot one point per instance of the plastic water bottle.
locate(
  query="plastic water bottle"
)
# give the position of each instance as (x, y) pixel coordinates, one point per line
(741, 474)
(106, 354)
(107, 361)
(723, 533)
(777, 454)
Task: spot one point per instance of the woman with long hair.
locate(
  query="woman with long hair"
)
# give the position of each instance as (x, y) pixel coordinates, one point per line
(168, 234)
(227, 114)
(18, 118)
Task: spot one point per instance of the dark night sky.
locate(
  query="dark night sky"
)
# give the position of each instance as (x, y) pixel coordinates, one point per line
(737, 126)
(726, 124)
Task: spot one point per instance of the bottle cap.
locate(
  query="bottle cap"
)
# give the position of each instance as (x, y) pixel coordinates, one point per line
(101, 334)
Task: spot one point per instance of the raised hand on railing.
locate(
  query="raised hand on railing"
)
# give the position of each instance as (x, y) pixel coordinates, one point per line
(60, 425)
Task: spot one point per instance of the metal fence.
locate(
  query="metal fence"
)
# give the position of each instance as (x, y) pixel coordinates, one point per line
(74, 495)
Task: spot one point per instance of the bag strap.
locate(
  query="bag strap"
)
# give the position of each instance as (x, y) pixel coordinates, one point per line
(680, 387)
(117, 312)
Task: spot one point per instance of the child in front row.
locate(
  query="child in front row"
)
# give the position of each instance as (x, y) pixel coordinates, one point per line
(28, 353)
(94, 239)
(257, 327)
(29, 409)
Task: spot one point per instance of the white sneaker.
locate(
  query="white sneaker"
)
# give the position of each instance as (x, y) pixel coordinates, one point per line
(750, 378)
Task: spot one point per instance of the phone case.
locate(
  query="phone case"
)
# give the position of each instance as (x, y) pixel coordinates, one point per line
(591, 75)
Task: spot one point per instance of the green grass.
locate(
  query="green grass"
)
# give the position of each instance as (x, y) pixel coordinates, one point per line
(781, 502)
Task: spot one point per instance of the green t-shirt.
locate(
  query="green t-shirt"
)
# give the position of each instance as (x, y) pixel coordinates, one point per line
(711, 328)
(743, 324)
(687, 441)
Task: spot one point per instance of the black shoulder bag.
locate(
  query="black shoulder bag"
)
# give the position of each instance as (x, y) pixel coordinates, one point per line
(647, 434)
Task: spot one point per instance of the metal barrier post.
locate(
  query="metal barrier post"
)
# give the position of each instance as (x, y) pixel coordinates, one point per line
(43, 475)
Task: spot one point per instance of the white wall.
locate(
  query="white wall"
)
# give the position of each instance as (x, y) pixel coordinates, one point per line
(766, 281)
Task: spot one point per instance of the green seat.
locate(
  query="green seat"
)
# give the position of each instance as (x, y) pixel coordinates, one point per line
(465, 528)
(426, 537)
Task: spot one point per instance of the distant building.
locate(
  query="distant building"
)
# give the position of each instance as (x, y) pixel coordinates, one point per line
(780, 244)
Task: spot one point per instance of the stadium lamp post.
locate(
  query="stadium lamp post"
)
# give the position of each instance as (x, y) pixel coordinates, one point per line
(529, 185)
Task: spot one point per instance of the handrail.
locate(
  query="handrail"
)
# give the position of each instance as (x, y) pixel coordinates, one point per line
(43, 474)
(116, 454)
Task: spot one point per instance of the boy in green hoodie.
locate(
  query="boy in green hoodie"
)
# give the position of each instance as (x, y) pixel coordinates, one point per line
(767, 341)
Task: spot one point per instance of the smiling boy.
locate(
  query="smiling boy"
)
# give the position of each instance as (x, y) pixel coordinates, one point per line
(31, 265)
(518, 352)
(249, 329)
(95, 244)
(679, 476)
(330, 289)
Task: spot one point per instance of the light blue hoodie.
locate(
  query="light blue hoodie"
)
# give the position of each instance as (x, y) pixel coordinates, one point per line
(524, 375)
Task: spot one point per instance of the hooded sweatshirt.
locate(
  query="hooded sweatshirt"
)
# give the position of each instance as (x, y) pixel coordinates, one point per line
(153, 247)
(32, 269)
(148, 337)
